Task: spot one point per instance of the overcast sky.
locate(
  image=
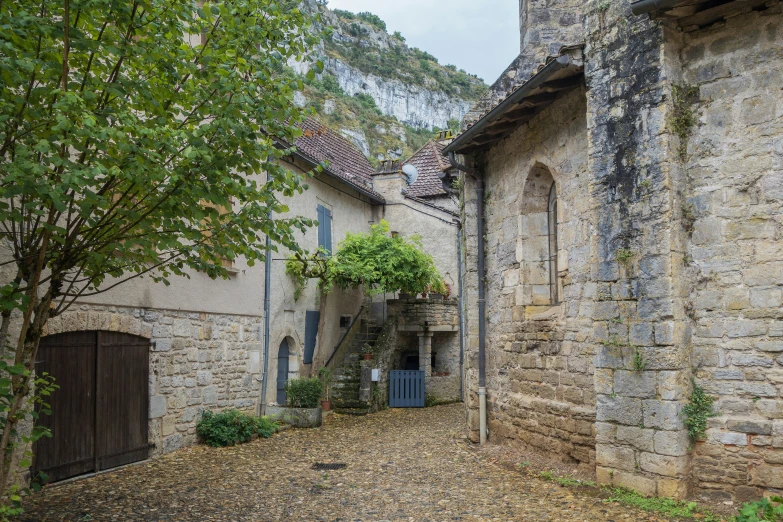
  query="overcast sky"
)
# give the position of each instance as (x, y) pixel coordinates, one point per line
(481, 37)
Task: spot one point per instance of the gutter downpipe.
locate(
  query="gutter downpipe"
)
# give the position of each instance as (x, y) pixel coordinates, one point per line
(482, 388)
(461, 316)
(267, 285)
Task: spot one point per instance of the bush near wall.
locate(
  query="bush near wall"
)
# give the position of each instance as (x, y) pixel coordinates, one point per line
(304, 393)
(231, 427)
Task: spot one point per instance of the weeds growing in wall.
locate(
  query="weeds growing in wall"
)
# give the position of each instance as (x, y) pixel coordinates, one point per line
(683, 117)
(696, 412)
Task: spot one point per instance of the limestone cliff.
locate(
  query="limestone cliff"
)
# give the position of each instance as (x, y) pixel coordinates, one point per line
(377, 91)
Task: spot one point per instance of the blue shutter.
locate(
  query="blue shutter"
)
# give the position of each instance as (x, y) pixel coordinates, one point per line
(321, 225)
(311, 332)
(328, 230)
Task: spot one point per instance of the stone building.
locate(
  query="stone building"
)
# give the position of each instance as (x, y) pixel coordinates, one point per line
(167, 353)
(623, 195)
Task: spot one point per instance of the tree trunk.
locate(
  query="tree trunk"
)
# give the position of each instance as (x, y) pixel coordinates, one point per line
(320, 355)
(21, 385)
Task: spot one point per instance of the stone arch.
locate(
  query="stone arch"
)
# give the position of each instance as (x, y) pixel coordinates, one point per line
(83, 320)
(295, 352)
(538, 274)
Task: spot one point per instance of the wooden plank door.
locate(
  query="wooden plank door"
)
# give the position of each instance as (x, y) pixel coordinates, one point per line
(123, 399)
(282, 372)
(70, 358)
(100, 413)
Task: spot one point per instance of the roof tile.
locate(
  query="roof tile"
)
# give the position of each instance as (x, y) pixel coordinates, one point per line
(429, 161)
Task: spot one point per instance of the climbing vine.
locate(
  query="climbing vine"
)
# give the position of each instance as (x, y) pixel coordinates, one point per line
(380, 262)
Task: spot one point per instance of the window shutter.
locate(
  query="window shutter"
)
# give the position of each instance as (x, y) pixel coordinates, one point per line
(311, 332)
(328, 230)
(321, 225)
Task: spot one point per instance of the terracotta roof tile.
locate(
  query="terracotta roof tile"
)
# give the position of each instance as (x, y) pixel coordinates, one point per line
(429, 161)
(344, 159)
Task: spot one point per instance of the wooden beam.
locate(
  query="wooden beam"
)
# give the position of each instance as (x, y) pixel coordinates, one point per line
(562, 83)
(709, 16)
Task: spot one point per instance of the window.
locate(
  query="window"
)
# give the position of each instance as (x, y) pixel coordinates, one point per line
(552, 224)
(345, 321)
(324, 228)
(312, 317)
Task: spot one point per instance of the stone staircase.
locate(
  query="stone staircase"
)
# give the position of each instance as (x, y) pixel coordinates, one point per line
(346, 377)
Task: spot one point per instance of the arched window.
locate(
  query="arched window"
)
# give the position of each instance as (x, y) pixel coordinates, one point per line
(552, 224)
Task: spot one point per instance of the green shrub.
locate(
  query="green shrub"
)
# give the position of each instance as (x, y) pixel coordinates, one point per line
(231, 427)
(372, 19)
(304, 393)
(696, 412)
(764, 510)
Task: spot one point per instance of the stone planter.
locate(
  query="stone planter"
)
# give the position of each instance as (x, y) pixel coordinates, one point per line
(299, 417)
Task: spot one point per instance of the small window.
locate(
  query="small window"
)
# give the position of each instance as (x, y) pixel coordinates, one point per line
(552, 223)
(324, 228)
(345, 321)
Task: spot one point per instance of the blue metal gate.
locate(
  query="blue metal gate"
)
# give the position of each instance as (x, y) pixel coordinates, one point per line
(406, 389)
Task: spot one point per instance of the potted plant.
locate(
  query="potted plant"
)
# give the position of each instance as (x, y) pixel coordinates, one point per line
(326, 379)
(302, 408)
(367, 352)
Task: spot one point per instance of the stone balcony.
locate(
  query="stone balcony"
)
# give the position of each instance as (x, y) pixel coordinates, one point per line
(425, 315)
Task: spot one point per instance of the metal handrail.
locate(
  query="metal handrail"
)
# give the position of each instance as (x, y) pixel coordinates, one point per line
(342, 339)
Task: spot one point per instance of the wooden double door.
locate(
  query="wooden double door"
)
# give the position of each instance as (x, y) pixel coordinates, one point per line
(100, 413)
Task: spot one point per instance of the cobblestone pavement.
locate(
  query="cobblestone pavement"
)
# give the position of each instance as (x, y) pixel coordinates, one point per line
(401, 465)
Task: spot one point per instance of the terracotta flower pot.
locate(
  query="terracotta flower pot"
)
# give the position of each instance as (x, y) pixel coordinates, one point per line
(367, 356)
(326, 405)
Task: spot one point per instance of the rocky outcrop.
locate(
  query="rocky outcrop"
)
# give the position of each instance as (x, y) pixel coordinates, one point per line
(408, 93)
(416, 106)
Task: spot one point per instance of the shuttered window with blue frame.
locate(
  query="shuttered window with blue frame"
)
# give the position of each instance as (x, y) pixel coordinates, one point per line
(311, 333)
(324, 228)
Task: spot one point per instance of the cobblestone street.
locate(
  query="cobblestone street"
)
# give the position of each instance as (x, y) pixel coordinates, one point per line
(400, 465)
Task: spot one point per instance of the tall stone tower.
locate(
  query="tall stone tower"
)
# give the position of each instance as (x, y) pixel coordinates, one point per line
(545, 26)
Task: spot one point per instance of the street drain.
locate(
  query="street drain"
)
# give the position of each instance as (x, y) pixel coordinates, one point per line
(321, 466)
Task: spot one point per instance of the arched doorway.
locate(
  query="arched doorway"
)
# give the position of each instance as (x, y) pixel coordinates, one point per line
(282, 371)
(100, 413)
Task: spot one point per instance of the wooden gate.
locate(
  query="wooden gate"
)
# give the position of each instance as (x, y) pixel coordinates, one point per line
(100, 413)
(406, 389)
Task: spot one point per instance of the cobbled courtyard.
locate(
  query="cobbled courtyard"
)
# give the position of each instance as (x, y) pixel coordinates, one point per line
(400, 465)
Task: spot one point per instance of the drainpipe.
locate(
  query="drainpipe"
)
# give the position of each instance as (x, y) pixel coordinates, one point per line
(461, 316)
(267, 285)
(482, 390)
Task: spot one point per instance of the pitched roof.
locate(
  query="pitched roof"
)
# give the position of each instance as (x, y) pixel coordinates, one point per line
(430, 162)
(344, 160)
(556, 76)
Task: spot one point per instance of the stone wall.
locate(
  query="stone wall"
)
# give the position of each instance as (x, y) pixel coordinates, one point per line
(198, 361)
(539, 355)
(734, 162)
(425, 313)
(669, 262)
(643, 359)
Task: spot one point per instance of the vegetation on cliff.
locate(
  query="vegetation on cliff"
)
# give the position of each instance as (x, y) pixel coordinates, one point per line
(362, 42)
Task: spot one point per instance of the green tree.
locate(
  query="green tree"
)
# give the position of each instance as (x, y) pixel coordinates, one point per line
(378, 261)
(137, 137)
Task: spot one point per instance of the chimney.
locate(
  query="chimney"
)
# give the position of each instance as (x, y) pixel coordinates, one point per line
(389, 181)
(444, 137)
(388, 167)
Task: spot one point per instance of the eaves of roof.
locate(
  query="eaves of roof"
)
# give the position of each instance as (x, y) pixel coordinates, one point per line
(374, 196)
(559, 75)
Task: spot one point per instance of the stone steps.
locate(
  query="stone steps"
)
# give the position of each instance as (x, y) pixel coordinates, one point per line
(347, 377)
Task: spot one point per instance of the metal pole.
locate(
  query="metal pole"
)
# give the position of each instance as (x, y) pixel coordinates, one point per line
(267, 285)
